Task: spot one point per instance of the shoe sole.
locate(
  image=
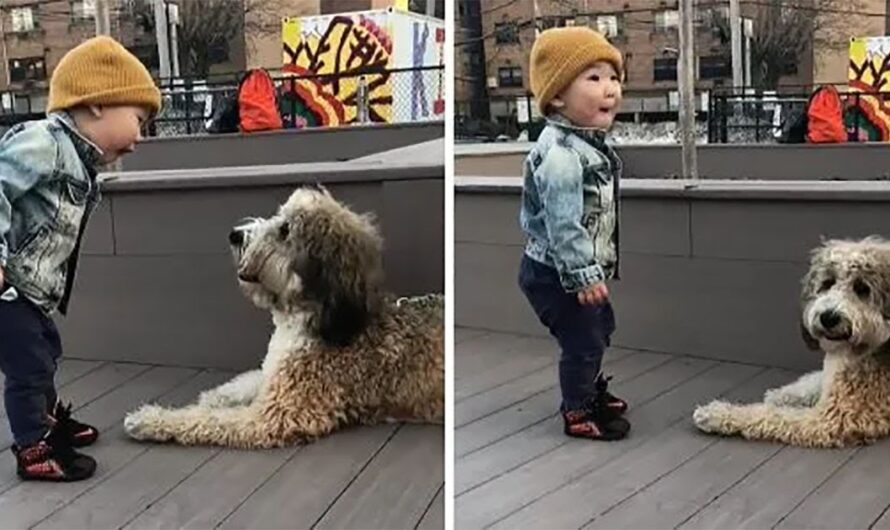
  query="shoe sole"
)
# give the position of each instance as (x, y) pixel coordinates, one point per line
(601, 438)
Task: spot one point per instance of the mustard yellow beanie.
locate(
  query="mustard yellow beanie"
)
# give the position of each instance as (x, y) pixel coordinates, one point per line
(100, 71)
(560, 54)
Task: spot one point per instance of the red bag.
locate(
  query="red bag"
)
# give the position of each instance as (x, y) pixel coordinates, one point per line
(825, 115)
(257, 103)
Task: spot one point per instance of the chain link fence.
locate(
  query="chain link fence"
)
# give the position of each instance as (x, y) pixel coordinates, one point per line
(331, 100)
(191, 106)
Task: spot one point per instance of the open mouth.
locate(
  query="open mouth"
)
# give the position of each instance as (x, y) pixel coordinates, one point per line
(843, 336)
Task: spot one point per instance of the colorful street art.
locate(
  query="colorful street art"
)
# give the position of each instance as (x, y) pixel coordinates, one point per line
(869, 74)
(361, 67)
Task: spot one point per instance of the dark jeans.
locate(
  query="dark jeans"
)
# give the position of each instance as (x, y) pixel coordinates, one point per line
(30, 348)
(583, 331)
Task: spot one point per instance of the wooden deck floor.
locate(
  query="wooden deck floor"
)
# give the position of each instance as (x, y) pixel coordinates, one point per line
(515, 469)
(383, 477)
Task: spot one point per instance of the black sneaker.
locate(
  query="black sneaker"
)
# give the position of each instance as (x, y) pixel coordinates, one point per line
(53, 459)
(614, 403)
(81, 434)
(596, 421)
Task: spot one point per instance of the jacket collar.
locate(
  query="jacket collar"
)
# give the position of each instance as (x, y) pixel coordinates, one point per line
(593, 136)
(90, 154)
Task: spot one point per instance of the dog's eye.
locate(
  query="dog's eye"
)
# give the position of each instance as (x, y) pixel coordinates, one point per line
(861, 289)
(827, 284)
(283, 231)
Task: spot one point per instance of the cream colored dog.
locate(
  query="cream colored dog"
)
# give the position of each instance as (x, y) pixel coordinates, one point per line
(846, 314)
(343, 352)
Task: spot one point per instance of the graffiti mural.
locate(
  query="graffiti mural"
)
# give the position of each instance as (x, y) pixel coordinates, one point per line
(869, 73)
(362, 67)
(330, 56)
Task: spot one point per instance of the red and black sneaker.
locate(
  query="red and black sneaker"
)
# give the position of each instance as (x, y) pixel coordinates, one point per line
(596, 421)
(81, 434)
(614, 403)
(52, 459)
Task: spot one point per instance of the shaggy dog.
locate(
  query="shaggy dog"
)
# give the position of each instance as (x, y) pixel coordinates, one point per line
(342, 352)
(846, 308)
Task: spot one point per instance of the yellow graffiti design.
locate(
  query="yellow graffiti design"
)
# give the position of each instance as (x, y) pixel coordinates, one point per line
(869, 73)
(328, 64)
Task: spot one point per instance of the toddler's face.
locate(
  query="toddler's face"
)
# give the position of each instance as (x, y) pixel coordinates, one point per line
(116, 129)
(593, 98)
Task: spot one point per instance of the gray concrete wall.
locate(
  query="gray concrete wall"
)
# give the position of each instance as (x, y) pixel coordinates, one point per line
(322, 144)
(858, 161)
(710, 270)
(156, 282)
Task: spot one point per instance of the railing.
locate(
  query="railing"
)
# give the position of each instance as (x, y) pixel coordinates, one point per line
(193, 106)
(742, 115)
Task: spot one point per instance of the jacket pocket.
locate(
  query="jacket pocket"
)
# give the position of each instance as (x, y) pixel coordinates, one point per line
(78, 190)
(30, 241)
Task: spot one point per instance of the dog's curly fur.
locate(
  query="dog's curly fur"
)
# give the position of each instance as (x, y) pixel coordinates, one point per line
(343, 352)
(846, 314)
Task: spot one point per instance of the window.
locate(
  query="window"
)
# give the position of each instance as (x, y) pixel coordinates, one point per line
(31, 68)
(714, 67)
(709, 16)
(23, 19)
(510, 76)
(665, 70)
(667, 20)
(83, 10)
(607, 25)
(506, 33)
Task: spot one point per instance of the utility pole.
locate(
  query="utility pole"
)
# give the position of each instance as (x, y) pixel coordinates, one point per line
(103, 18)
(686, 78)
(172, 12)
(161, 35)
(735, 25)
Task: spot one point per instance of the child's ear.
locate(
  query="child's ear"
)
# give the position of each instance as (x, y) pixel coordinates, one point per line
(557, 103)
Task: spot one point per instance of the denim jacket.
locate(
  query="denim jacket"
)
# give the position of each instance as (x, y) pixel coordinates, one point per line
(48, 189)
(570, 204)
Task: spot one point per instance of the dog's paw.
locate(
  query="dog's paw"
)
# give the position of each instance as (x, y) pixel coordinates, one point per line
(712, 417)
(213, 400)
(779, 397)
(145, 423)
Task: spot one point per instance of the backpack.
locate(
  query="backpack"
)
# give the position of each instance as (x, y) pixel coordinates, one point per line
(825, 117)
(794, 128)
(225, 115)
(257, 103)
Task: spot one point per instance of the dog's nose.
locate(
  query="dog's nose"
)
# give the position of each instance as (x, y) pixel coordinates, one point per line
(829, 319)
(236, 237)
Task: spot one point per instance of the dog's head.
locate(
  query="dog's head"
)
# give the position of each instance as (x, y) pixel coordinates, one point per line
(314, 255)
(846, 297)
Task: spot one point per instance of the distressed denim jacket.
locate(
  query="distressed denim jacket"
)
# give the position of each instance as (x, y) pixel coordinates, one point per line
(570, 204)
(48, 189)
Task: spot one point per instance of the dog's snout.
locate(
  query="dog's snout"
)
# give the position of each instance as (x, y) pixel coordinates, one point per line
(236, 237)
(829, 319)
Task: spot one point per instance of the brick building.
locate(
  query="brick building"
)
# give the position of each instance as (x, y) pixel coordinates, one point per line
(647, 33)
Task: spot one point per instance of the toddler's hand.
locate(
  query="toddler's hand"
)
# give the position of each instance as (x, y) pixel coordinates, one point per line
(1, 277)
(595, 294)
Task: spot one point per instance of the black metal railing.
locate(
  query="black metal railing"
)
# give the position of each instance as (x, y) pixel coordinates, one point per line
(359, 97)
(191, 106)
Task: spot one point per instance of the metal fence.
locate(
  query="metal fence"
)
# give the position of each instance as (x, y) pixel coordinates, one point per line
(191, 106)
(359, 97)
(725, 115)
(766, 116)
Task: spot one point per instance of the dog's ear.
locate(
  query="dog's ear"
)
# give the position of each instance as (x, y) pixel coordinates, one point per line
(808, 339)
(342, 319)
(344, 312)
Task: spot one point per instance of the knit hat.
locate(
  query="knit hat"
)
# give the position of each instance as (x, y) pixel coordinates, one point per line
(100, 71)
(560, 54)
